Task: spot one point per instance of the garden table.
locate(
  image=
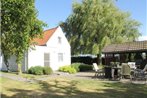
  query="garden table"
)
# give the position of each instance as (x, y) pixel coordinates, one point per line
(115, 72)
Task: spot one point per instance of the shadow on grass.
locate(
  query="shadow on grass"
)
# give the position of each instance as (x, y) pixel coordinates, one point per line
(126, 90)
(69, 89)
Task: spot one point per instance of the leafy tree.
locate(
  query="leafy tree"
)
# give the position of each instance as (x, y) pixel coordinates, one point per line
(19, 26)
(6, 50)
(96, 23)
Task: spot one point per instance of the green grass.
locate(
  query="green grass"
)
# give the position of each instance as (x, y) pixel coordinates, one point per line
(64, 87)
(24, 75)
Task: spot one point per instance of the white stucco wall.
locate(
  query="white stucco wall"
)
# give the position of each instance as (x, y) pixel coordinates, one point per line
(36, 57)
(1, 62)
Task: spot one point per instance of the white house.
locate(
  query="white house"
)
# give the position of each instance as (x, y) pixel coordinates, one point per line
(52, 49)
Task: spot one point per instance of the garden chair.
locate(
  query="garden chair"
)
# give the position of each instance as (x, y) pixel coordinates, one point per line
(98, 71)
(132, 65)
(138, 74)
(125, 70)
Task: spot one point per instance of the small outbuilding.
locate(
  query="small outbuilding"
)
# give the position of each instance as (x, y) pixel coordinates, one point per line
(52, 49)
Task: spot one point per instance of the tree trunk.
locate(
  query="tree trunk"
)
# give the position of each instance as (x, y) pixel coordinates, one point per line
(7, 65)
(100, 59)
(19, 69)
(99, 56)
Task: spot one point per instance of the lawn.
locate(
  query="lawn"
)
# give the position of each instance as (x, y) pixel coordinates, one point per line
(65, 87)
(24, 75)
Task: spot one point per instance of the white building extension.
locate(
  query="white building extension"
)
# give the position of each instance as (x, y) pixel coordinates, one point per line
(52, 49)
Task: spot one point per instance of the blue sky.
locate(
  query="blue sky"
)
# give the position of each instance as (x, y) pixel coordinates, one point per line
(54, 11)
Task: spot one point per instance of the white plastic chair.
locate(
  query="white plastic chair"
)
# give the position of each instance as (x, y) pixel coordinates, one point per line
(98, 71)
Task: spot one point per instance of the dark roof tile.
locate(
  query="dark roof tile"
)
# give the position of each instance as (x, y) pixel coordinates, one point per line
(126, 47)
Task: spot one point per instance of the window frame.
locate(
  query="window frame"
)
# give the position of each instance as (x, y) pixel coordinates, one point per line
(59, 40)
(60, 57)
(47, 59)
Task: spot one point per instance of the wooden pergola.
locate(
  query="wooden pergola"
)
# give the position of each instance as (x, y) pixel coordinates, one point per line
(117, 52)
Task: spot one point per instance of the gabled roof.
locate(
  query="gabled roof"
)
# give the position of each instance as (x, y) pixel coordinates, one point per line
(126, 47)
(45, 37)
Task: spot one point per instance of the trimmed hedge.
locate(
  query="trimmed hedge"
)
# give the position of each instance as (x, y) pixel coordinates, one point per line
(81, 67)
(39, 70)
(68, 69)
(84, 59)
(85, 67)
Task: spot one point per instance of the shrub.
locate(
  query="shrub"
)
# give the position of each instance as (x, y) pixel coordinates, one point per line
(101, 66)
(31, 70)
(76, 66)
(85, 67)
(68, 69)
(47, 70)
(81, 67)
(72, 70)
(37, 70)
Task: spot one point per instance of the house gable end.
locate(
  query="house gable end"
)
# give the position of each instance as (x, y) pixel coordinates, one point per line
(42, 40)
(58, 39)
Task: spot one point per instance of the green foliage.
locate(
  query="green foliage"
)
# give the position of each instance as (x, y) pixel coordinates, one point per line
(81, 67)
(85, 67)
(97, 23)
(31, 70)
(101, 66)
(76, 66)
(37, 70)
(19, 26)
(68, 69)
(47, 70)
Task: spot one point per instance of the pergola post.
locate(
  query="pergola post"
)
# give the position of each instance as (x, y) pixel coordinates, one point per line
(105, 59)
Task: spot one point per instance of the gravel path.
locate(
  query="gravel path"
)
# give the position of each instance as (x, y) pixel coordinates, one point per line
(13, 77)
(79, 75)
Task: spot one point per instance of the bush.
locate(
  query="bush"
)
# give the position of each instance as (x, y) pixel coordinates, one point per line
(47, 70)
(85, 67)
(37, 70)
(81, 67)
(101, 66)
(68, 69)
(76, 66)
(31, 70)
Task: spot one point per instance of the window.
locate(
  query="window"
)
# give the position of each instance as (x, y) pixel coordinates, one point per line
(60, 57)
(59, 40)
(46, 59)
